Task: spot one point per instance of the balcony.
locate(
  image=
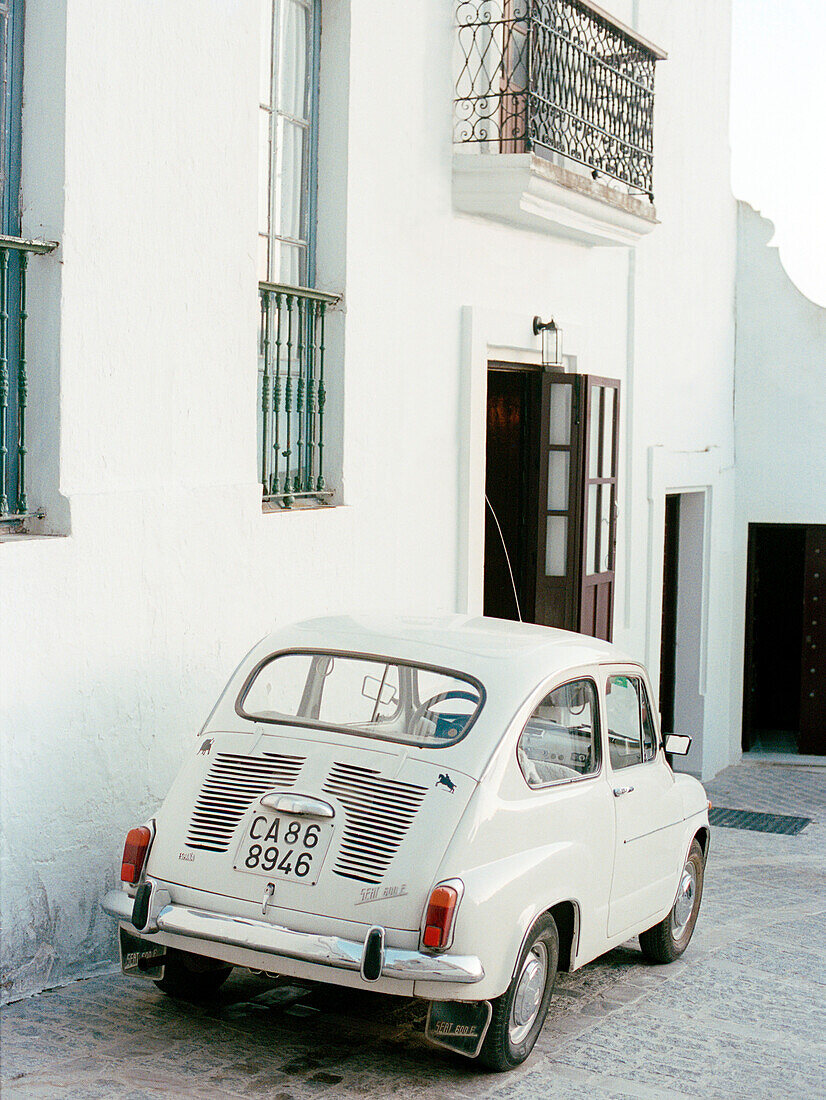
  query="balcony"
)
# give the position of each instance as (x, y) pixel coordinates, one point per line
(562, 95)
(14, 384)
(292, 396)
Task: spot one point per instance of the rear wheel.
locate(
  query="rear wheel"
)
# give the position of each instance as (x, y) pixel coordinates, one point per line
(518, 1015)
(192, 977)
(667, 940)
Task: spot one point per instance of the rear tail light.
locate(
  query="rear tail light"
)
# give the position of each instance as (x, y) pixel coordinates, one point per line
(438, 921)
(134, 854)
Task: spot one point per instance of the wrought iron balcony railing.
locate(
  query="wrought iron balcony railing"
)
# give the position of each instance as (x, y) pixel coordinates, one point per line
(557, 75)
(14, 383)
(292, 394)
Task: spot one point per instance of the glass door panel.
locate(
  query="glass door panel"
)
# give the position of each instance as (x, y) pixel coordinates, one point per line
(558, 502)
(599, 493)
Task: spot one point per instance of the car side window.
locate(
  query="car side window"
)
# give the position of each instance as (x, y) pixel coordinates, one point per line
(560, 741)
(649, 735)
(631, 736)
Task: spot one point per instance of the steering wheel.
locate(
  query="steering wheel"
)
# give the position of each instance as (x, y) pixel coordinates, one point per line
(424, 708)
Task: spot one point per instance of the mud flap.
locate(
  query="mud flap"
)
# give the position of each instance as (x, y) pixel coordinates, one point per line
(140, 958)
(460, 1026)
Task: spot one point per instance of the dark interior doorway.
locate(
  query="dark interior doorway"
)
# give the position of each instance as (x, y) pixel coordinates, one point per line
(514, 398)
(774, 633)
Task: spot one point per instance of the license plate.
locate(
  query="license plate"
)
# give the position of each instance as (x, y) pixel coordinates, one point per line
(137, 956)
(281, 846)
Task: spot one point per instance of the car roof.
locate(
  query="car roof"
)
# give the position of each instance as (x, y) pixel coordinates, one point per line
(464, 642)
(511, 660)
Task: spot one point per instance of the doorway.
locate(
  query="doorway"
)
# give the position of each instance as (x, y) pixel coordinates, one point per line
(682, 706)
(784, 690)
(510, 488)
(551, 488)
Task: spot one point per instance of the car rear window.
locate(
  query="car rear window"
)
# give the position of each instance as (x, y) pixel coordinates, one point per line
(364, 695)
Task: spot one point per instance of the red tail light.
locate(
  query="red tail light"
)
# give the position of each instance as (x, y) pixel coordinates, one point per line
(439, 919)
(134, 853)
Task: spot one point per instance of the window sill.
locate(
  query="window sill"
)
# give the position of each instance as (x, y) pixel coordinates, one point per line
(529, 192)
(15, 528)
(299, 504)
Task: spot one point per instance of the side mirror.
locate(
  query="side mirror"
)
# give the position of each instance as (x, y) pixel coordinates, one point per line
(677, 743)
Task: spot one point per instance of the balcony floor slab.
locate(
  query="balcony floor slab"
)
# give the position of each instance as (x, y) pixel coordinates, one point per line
(529, 192)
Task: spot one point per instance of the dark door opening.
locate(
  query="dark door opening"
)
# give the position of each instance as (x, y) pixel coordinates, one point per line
(682, 703)
(783, 705)
(551, 483)
(510, 487)
(668, 652)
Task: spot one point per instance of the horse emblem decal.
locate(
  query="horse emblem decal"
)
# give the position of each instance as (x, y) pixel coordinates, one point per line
(205, 748)
(445, 781)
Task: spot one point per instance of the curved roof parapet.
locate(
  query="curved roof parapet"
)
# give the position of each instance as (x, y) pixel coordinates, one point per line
(755, 233)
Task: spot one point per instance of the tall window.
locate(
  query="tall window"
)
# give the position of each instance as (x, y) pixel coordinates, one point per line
(288, 140)
(11, 51)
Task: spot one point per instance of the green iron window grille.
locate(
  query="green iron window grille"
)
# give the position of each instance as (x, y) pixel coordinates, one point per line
(292, 393)
(14, 389)
(557, 77)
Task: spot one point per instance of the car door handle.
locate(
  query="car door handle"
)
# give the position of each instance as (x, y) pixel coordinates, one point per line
(619, 791)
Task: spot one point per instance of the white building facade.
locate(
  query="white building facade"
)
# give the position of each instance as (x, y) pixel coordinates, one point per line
(193, 172)
(780, 534)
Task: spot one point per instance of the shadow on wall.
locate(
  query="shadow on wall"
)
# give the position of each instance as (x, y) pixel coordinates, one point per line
(100, 769)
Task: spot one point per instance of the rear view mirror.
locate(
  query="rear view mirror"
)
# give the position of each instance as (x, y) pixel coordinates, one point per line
(677, 743)
(371, 688)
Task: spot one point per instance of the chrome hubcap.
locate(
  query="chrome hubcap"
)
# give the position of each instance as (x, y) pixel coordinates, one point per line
(684, 905)
(529, 990)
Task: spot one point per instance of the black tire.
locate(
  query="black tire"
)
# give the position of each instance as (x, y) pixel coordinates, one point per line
(192, 977)
(667, 940)
(510, 1040)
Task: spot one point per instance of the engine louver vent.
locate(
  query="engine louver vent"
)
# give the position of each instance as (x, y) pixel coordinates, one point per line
(378, 811)
(233, 782)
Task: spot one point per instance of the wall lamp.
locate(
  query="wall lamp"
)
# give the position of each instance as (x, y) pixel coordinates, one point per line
(551, 341)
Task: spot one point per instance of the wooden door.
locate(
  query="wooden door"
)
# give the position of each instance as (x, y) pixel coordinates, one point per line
(577, 503)
(600, 452)
(558, 502)
(813, 655)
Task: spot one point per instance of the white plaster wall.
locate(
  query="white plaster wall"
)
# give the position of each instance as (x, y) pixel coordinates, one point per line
(780, 406)
(125, 625)
(678, 384)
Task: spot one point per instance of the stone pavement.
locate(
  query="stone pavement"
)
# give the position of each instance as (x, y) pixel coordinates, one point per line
(742, 1014)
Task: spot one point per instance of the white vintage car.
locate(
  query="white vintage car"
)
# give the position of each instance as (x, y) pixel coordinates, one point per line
(450, 809)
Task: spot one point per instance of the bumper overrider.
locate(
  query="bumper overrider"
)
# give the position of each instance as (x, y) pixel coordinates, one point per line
(151, 911)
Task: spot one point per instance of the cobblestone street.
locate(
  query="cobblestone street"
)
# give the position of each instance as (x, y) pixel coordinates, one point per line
(743, 1014)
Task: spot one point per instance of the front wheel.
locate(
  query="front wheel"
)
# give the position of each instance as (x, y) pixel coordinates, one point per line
(192, 977)
(518, 1015)
(667, 940)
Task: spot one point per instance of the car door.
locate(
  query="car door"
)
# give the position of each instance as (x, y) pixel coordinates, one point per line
(560, 756)
(647, 814)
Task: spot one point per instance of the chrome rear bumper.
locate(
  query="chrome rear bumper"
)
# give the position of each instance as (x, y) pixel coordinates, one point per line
(277, 941)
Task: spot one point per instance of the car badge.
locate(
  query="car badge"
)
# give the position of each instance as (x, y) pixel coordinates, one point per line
(445, 781)
(205, 748)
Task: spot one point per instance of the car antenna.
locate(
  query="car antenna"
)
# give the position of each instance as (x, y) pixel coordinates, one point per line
(507, 556)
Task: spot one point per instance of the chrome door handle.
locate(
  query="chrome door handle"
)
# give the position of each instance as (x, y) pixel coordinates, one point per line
(269, 894)
(619, 791)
